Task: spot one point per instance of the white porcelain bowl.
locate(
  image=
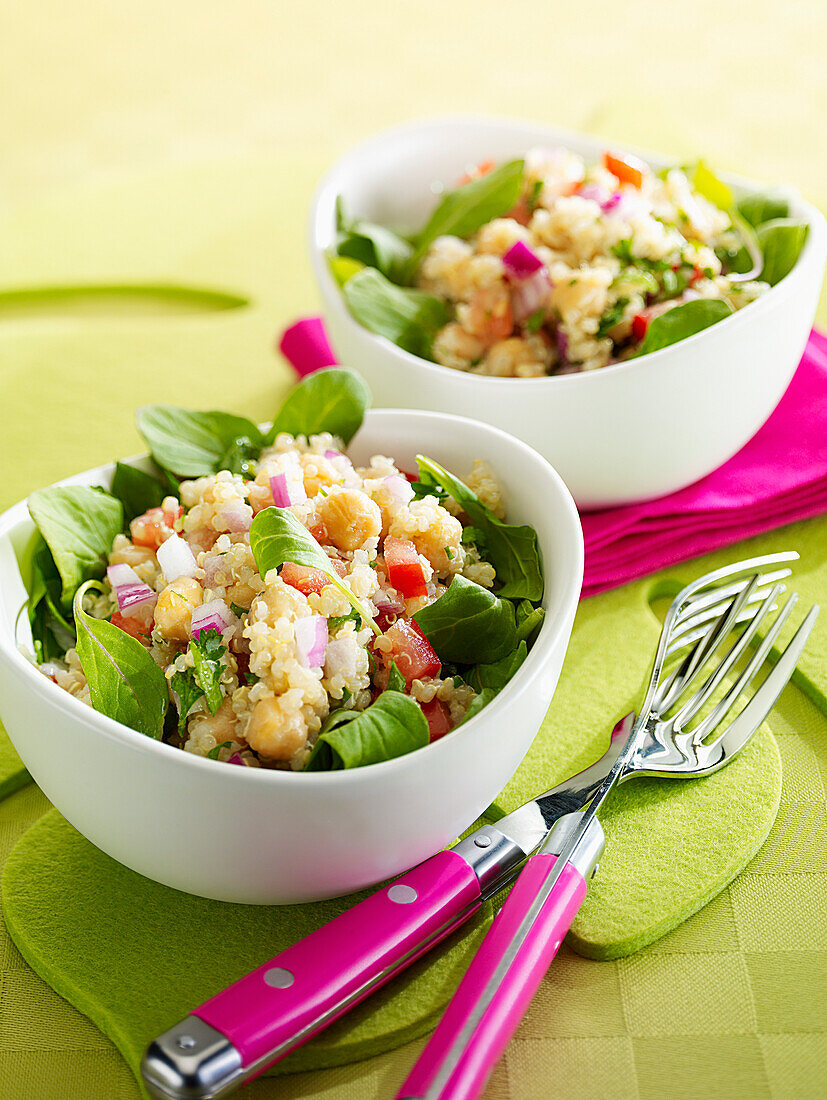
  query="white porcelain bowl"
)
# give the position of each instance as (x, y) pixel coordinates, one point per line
(627, 432)
(250, 835)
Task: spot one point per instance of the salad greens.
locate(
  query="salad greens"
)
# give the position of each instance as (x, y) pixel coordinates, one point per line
(781, 241)
(78, 523)
(124, 681)
(137, 490)
(478, 635)
(408, 318)
(469, 624)
(277, 536)
(511, 548)
(330, 400)
(682, 321)
(391, 726)
(372, 245)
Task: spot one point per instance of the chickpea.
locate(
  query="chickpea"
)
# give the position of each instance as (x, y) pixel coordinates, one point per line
(173, 611)
(127, 553)
(274, 732)
(350, 518)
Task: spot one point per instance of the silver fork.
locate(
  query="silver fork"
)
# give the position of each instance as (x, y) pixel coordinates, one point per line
(549, 891)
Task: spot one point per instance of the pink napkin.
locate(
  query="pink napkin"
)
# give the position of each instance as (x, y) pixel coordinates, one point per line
(779, 477)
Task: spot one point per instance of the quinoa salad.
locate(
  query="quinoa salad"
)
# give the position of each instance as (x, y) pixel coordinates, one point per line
(550, 265)
(285, 608)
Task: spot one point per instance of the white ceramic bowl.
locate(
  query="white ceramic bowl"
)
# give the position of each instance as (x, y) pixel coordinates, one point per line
(251, 835)
(628, 432)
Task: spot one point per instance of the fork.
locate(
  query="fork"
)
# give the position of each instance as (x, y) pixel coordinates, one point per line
(529, 928)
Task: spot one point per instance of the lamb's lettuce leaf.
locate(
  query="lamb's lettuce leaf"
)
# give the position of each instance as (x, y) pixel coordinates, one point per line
(137, 490)
(194, 444)
(372, 245)
(781, 241)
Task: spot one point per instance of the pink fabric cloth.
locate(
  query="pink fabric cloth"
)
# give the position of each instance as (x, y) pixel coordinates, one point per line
(779, 477)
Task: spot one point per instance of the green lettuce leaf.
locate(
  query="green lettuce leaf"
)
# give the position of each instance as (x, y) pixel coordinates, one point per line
(468, 624)
(682, 321)
(408, 318)
(331, 400)
(391, 726)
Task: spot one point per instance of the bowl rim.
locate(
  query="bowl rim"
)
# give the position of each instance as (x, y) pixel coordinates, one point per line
(552, 628)
(326, 192)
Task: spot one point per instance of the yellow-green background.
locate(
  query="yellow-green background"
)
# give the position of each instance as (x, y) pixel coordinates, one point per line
(96, 94)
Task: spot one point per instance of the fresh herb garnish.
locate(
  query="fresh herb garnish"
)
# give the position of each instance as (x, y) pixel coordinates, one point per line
(239, 611)
(535, 322)
(189, 692)
(207, 652)
(533, 196)
(613, 316)
(336, 622)
(213, 754)
(396, 681)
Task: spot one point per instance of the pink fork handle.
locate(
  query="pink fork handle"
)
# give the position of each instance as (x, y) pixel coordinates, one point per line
(287, 1000)
(481, 1046)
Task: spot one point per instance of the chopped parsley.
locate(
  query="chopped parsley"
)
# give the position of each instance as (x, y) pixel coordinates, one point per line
(449, 553)
(613, 316)
(207, 651)
(472, 536)
(335, 622)
(423, 489)
(213, 753)
(240, 611)
(533, 196)
(396, 681)
(186, 688)
(535, 322)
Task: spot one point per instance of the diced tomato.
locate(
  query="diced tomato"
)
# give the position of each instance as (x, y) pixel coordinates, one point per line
(482, 169)
(319, 532)
(490, 315)
(173, 517)
(627, 169)
(640, 323)
(131, 626)
(439, 718)
(153, 527)
(412, 651)
(520, 212)
(304, 579)
(404, 567)
(697, 275)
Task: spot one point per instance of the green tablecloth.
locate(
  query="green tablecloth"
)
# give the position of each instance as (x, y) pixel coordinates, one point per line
(733, 1004)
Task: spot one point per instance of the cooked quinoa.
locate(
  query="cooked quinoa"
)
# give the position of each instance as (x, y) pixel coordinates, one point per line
(612, 253)
(273, 698)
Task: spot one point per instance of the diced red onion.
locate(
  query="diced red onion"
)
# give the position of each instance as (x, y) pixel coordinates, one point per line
(399, 488)
(133, 598)
(286, 494)
(562, 341)
(311, 640)
(521, 262)
(237, 515)
(121, 575)
(213, 615)
(610, 203)
(334, 454)
(175, 559)
(236, 759)
(594, 191)
(530, 295)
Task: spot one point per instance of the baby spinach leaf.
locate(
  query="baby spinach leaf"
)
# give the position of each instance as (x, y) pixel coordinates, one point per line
(124, 681)
(683, 321)
(512, 549)
(79, 524)
(331, 400)
(408, 318)
(137, 490)
(391, 726)
(495, 676)
(207, 650)
(463, 211)
(529, 620)
(276, 536)
(372, 245)
(186, 688)
(468, 624)
(781, 241)
(193, 444)
(763, 206)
